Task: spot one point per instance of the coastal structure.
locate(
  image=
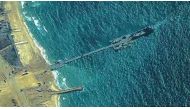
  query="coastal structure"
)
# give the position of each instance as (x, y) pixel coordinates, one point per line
(116, 44)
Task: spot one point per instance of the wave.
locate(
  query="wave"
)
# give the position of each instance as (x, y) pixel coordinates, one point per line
(22, 4)
(39, 26)
(61, 84)
(64, 84)
(28, 18)
(55, 73)
(36, 22)
(45, 29)
(35, 4)
(43, 52)
(44, 55)
(60, 80)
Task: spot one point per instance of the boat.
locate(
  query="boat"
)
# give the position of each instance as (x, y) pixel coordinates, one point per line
(123, 41)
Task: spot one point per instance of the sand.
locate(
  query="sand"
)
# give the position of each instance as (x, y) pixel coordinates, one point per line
(21, 90)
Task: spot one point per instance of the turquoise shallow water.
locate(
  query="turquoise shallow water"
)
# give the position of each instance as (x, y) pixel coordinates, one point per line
(153, 71)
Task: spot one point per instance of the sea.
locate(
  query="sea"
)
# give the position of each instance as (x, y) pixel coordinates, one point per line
(151, 71)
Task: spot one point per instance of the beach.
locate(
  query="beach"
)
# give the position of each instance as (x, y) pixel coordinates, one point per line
(24, 86)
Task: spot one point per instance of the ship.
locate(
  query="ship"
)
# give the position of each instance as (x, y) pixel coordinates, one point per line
(125, 40)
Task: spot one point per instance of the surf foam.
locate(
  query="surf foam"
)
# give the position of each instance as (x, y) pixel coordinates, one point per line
(62, 84)
(39, 26)
(44, 55)
(22, 4)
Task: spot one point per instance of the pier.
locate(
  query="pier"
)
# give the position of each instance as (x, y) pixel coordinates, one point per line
(61, 63)
(74, 89)
(21, 42)
(117, 44)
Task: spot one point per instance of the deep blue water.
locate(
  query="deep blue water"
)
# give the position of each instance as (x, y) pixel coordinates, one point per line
(153, 71)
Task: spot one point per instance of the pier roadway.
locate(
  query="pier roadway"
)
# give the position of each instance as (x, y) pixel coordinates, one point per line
(62, 63)
(116, 46)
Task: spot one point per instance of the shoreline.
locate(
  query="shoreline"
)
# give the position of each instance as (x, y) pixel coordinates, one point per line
(31, 54)
(45, 57)
(42, 51)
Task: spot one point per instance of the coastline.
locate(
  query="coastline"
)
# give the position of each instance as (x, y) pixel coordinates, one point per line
(31, 55)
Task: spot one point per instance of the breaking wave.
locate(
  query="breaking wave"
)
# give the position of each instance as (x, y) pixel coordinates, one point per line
(44, 55)
(39, 26)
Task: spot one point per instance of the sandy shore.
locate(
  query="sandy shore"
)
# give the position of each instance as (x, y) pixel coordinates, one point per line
(24, 87)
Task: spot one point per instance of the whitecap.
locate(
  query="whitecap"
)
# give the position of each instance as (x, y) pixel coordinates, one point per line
(35, 4)
(39, 26)
(64, 83)
(22, 4)
(63, 98)
(28, 18)
(24, 12)
(36, 22)
(45, 28)
(61, 82)
(42, 50)
(56, 74)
